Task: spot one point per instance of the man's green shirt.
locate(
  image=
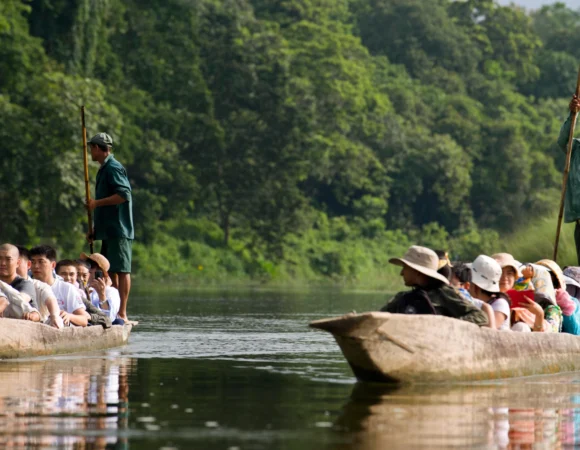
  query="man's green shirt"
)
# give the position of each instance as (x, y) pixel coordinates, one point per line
(572, 200)
(113, 221)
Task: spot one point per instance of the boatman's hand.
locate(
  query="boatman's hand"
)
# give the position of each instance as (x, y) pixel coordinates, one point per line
(575, 104)
(91, 237)
(91, 204)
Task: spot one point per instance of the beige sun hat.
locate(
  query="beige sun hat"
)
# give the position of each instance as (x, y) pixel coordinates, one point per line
(423, 260)
(101, 261)
(552, 266)
(507, 260)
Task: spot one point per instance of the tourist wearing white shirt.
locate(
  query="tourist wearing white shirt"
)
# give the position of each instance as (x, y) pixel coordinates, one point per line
(47, 303)
(73, 311)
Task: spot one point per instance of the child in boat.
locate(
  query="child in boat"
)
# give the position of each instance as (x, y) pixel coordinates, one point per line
(431, 293)
(525, 283)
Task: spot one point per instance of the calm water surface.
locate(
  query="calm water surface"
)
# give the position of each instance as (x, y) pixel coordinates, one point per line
(241, 370)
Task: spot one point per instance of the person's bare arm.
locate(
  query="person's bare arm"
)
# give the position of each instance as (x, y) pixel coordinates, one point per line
(79, 317)
(54, 312)
(488, 310)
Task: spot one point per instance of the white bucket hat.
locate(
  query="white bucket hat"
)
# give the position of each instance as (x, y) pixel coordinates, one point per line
(423, 260)
(485, 273)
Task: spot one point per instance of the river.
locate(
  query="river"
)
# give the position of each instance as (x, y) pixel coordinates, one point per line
(241, 370)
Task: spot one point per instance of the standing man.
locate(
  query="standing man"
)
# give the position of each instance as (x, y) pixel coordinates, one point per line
(572, 200)
(113, 216)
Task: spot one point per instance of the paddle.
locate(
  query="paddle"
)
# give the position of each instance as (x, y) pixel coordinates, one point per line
(87, 188)
(566, 171)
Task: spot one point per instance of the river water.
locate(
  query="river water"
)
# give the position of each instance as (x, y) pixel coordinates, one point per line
(241, 370)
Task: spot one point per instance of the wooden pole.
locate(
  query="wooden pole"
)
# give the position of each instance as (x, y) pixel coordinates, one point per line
(566, 171)
(87, 187)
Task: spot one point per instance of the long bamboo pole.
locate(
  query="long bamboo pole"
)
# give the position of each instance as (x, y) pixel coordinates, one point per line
(566, 171)
(87, 187)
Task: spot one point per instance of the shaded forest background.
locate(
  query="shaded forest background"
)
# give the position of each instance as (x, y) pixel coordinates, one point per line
(287, 139)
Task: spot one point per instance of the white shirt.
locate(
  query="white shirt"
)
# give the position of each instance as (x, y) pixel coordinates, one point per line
(113, 298)
(501, 305)
(43, 293)
(67, 296)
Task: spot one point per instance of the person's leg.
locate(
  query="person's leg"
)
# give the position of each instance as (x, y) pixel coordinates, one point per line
(124, 289)
(119, 255)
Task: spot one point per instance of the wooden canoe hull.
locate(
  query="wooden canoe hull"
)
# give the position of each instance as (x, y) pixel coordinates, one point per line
(23, 339)
(423, 348)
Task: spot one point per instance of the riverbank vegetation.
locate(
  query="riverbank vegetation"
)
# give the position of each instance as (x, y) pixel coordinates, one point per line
(289, 141)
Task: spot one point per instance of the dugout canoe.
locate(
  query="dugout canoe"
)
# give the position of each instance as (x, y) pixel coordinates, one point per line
(402, 348)
(24, 339)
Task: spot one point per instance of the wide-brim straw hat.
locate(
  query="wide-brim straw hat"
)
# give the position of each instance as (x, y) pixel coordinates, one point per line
(553, 267)
(507, 260)
(423, 260)
(99, 259)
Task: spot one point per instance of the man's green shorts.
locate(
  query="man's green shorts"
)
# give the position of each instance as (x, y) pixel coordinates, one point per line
(118, 251)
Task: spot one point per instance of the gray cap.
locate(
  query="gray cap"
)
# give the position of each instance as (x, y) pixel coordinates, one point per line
(102, 139)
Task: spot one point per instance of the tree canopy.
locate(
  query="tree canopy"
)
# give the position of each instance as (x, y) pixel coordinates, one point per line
(250, 124)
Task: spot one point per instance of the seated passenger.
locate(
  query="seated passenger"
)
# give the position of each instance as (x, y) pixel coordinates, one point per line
(72, 309)
(431, 293)
(509, 271)
(485, 285)
(67, 269)
(83, 268)
(9, 261)
(14, 304)
(47, 304)
(540, 315)
(461, 280)
(569, 307)
(101, 293)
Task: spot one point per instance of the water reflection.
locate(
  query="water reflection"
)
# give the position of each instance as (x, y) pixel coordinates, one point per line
(531, 413)
(64, 403)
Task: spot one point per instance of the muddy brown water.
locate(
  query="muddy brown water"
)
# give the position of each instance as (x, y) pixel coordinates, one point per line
(241, 370)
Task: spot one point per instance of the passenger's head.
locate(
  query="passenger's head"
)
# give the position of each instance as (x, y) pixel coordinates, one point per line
(460, 276)
(99, 265)
(67, 269)
(420, 265)
(9, 260)
(555, 273)
(83, 272)
(43, 259)
(445, 268)
(485, 277)
(509, 269)
(24, 261)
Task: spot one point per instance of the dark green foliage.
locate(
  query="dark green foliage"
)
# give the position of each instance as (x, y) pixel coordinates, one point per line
(286, 138)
